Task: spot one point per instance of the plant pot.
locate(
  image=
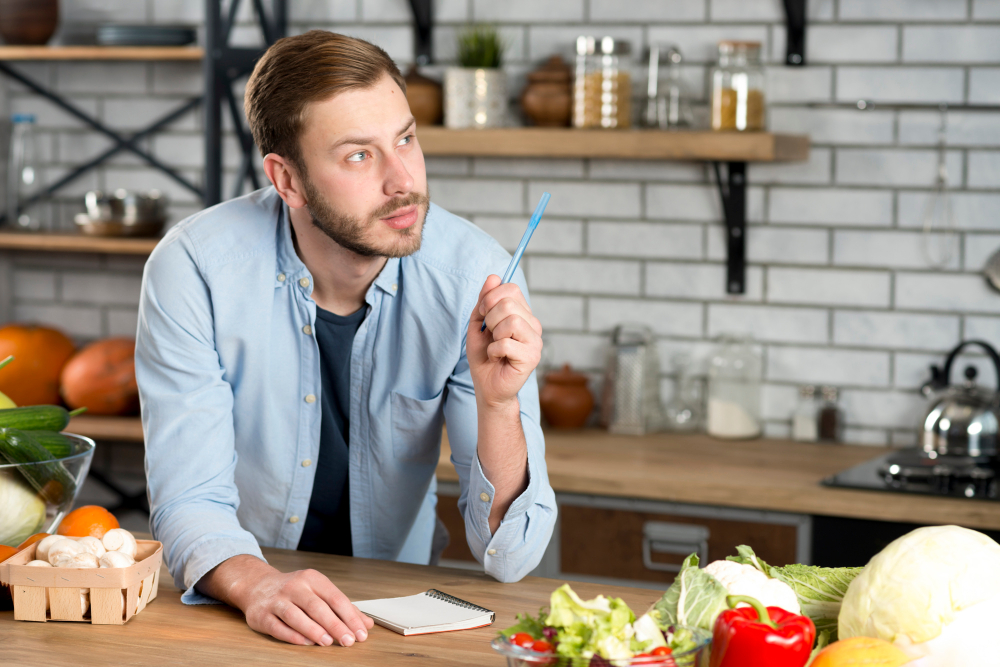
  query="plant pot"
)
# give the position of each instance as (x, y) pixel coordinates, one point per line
(565, 400)
(474, 97)
(425, 98)
(28, 21)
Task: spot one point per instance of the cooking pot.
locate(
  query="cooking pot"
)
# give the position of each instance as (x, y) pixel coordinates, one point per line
(962, 420)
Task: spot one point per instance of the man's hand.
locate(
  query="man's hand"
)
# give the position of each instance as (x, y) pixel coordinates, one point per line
(301, 607)
(502, 357)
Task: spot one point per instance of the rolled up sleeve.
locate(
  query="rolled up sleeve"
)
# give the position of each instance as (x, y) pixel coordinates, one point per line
(187, 418)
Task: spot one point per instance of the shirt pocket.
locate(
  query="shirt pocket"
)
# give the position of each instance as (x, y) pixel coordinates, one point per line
(416, 428)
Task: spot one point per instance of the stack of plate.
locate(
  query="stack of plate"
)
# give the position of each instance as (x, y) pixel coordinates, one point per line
(145, 35)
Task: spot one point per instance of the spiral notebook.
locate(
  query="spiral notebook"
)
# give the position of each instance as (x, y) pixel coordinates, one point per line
(424, 613)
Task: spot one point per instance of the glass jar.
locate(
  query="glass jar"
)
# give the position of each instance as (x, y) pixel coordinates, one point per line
(684, 410)
(734, 376)
(22, 173)
(738, 87)
(831, 419)
(602, 86)
(804, 419)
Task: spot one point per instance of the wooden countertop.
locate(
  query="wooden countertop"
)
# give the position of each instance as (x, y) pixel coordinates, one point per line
(169, 633)
(758, 474)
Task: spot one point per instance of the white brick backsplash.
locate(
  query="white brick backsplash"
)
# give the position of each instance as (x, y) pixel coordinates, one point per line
(646, 170)
(907, 250)
(894, 330)
(558, 312)
(815, 170)
(946, 292)
(886, 409)
(147, 178)
(683, 202)
(122, 322)
(646, 11)
(769, 323)
(951, 44)
(963, 129)
(861, 166)
(538, 168)
(814, 206)
(799, 84)
(396, 40)
(596, 276)
(778, 401)
(181, 78)
(136, 113)
(385, 11)
(825, 366)
(34, 285)
(448, 166)
(769, 11)
(978, 250)
(186, 11)
(903, 438)
(101, 288)
(984, 85)
(612, 200)
(987, 328)
(700, 43)
(544, 41)
(75, 321)
(451, 10)
(900, 84)
(972, 210)
(582, 351)
(835, 126)
(55, 260)
(446, 50)
(984, 169)
(851, 44)
(550, 11)
(699, 281)
(644, 239)
(318, 11)
(487, 196)
(828, 287)
(87, 77)
(77, 147)
(907, 10)
(913, 370)
(775, 244)
(986, 9)
(49, 116)
(100, 11)
(671, 319)
(564, 237)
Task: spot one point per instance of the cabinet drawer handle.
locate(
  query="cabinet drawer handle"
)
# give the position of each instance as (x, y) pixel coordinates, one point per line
(672, 538)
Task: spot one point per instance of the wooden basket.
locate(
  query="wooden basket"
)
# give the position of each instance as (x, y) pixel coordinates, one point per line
(53, 593)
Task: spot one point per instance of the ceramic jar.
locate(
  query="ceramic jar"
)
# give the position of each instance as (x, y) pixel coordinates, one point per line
(425, 98)
(547, 100)
(28, 21)
(475, 97)
(565, 400)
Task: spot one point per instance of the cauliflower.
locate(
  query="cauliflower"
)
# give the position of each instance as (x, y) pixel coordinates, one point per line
(742, 579)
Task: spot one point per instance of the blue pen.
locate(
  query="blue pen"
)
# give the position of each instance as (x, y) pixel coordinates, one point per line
(536, 217)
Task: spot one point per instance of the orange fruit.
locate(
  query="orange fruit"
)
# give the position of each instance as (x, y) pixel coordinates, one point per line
(860, 652)
(6, 552)
(88, 520)
(37, 537)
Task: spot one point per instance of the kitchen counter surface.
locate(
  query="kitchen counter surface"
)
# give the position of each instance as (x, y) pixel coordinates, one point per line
(169, 633)
(758, 474)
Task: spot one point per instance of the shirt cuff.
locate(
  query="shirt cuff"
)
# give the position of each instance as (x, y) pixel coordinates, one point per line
(482, 495)
(207, 555)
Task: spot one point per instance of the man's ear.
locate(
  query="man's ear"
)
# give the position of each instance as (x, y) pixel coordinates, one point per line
(285, 179)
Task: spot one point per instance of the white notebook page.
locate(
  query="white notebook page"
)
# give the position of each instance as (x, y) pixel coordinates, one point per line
(421, 611)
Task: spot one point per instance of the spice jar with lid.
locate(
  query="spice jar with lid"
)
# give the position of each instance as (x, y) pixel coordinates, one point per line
(734, 376)
(831, 419)
(738, 87)
(602, 86)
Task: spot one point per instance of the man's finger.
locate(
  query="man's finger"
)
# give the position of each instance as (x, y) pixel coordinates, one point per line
(319, 611)
(517, 354)
(505, 308)
(346, 612)
(519, 329)
(499, 293)
(300, 622)
(492, 281)
(275, 627)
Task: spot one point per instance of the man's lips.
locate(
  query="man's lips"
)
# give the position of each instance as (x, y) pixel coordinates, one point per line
(402, 218)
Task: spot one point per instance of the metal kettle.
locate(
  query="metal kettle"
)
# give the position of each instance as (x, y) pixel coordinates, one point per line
(962, 420)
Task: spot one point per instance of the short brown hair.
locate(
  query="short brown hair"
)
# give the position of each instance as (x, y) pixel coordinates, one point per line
(296, 71)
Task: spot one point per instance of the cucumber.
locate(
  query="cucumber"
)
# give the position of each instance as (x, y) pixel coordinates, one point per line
(36, 418)
(58, 444)
(51, 479)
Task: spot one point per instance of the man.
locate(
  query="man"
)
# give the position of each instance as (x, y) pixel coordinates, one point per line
(300, 348)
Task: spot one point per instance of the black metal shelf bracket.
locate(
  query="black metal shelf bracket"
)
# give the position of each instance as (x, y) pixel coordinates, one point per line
(222, 67)
(795, 44)
(734, 209)
(423, 45)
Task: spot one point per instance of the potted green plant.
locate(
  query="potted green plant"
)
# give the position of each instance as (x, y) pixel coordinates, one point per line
(475, 92)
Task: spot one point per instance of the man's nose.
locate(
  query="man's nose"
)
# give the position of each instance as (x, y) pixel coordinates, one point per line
(397, 179)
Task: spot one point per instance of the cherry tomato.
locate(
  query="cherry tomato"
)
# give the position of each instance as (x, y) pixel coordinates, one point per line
(542, 646)
(662, 650)
(522, 639)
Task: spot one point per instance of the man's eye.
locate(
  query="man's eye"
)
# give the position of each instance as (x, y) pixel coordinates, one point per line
(356, 157)
(408, 139)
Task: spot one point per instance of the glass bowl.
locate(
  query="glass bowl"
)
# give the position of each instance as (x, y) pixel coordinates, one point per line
(518, 656)
(34, 497)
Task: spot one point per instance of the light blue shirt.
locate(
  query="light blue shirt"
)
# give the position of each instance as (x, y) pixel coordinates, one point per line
(229, 379)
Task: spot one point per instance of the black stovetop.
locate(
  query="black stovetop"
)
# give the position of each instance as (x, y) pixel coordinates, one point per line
(909, 471)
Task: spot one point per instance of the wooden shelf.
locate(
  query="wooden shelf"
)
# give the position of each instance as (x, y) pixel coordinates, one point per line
(621, 144)
(124, 429)
(101, 53)
(76, 243)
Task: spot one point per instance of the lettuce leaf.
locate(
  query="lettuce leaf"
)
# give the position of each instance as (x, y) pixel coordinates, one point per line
(695, 598)
(527, 623)
(602, 626)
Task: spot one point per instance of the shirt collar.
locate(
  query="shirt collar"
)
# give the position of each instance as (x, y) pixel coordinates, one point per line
(388, 279)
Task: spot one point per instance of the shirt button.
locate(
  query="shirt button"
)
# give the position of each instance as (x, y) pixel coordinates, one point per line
(281, 277)
(485, 498)
(311, 398)
(394, 287)
(307, 330)
(293, 519)
(304, 282)
(307, 463)
(491, 552)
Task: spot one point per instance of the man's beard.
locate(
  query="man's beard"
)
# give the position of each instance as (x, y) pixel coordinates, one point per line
(350, 232)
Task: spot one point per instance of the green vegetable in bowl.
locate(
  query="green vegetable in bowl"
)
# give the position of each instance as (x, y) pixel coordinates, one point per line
(22, 512)
(695, 599)
(50, 478)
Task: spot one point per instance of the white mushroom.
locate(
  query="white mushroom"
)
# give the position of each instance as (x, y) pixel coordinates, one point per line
(38, 563)
(114, 559)
(93, 545)
(84, 601)
(42, 551)
(85, 560)
(118, 539)
(63, 546)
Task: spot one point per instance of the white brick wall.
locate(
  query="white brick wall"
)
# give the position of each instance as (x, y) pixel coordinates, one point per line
(839, 290)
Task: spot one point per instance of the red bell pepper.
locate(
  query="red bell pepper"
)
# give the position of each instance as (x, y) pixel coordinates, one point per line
(757, 637)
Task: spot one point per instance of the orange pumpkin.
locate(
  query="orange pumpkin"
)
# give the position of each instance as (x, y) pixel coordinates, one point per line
(101, 378)
(39, 356)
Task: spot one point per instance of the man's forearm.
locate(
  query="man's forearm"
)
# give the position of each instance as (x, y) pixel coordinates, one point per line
(503, 454)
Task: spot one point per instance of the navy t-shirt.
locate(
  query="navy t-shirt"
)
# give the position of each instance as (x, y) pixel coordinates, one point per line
(328, 524)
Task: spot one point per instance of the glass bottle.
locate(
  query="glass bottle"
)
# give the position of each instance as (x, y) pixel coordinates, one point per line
(684, 410)
(734, 376)
(831, 419)
(804, 419)
(673, 101)
(738, 87)
(602, 86)
(22, 172)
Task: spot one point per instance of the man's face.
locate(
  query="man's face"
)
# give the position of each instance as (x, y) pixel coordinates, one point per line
(363, 172)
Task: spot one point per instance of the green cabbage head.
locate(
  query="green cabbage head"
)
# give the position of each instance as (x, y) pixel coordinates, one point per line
(22, 512)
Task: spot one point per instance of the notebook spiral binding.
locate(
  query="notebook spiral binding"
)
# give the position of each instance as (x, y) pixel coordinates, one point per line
(435, 593)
